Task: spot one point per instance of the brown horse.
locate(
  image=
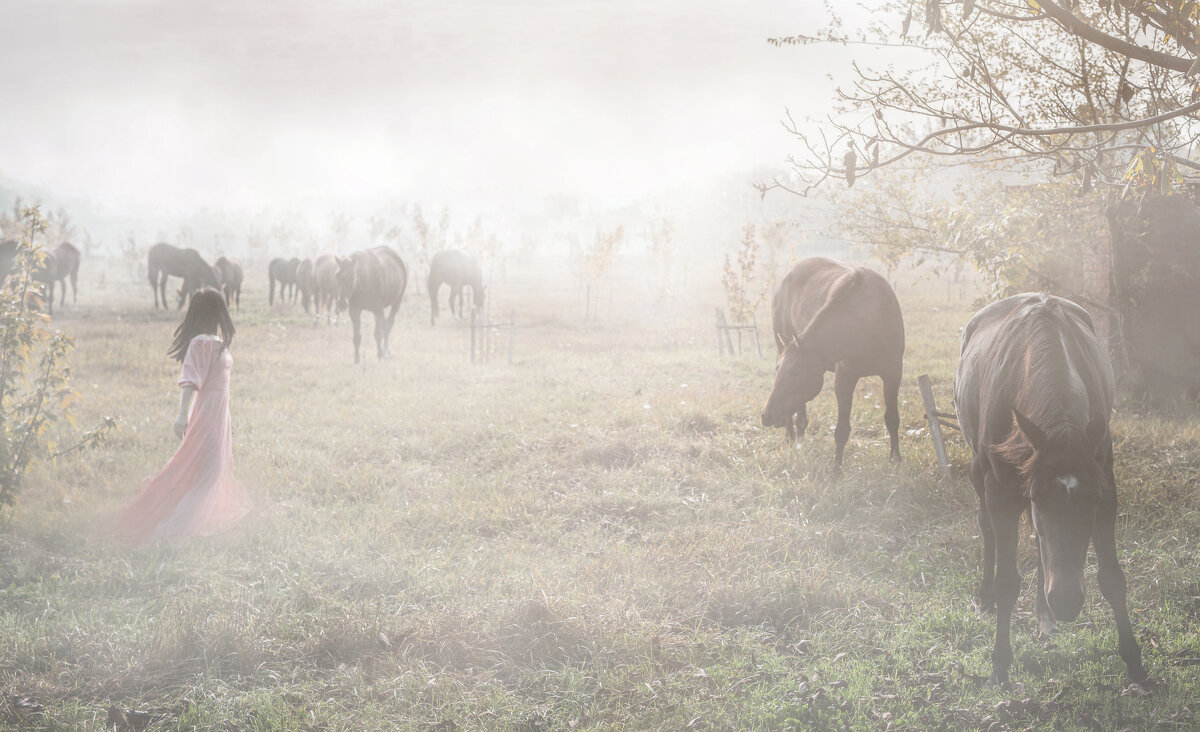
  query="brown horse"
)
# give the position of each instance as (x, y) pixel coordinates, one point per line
(325, 287)
(1033, 391)
(305, 282)
(8, 255)
(828, 316)
(283, 271)
(372, 279)
(164, 260)
(231, 276)
(61, 263)
(458, 270)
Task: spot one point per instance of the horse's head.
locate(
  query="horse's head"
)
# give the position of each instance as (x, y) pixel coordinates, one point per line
(799, 376)
(346, 277)
(1066, 484)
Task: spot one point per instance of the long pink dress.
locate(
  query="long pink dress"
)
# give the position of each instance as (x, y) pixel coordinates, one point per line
(195, 493)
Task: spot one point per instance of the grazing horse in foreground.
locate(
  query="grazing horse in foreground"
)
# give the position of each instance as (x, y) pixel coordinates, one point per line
(325, 287)
(164, 260)
(828, 316)
(283, 271)
(305, 282)
(458, 270)
(231, 276)
(1033, 391)
(60, 263)
(372, 279)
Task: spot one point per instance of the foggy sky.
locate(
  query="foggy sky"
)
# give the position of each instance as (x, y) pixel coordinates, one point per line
(171, 106)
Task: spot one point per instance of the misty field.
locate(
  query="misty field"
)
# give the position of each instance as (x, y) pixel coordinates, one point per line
(598, 536)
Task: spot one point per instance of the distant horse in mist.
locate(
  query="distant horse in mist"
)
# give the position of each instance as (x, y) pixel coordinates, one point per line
(1034, 391)
(372, 279)
(283, 271)
(164, 260)
(305, 282)
(61, 263)
(325, 287)
(458, 270)
(828, 316)
(231, 276)
(8, 255)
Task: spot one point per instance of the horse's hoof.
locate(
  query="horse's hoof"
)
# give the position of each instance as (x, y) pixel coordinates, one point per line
(1047, 626)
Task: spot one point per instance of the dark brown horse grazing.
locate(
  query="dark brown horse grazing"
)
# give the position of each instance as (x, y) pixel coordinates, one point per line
(325, 286)
(305, 282)
(231, 276)
(828, 316)
(1033, 391)
(164, 260)
(283, 271)
(61, 263)
(457, 270)
(372, 279)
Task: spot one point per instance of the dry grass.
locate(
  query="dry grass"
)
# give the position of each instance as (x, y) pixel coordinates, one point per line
(599, 536)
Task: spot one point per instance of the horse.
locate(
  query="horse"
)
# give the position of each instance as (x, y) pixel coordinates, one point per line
(304, 283)
(60, 263)
(452, 267)
(325, 286)
(231, 276)
(828, 316)
(1033, 391)
(283, 271)
(372, 279)
(8, 256)
(164, 260)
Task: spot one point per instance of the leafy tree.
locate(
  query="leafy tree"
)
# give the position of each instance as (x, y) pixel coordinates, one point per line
(592, 263)
(35, 374)
(661, 233)
(1026, 236)
(1103, 90)
(742, 293)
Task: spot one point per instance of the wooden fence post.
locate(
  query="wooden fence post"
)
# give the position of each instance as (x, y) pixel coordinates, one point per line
(932, 416)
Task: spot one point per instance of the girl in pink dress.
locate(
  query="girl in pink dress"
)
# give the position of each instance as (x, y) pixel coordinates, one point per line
(195, 493)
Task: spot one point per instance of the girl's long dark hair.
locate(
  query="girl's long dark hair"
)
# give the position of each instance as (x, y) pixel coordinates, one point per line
(206, 313)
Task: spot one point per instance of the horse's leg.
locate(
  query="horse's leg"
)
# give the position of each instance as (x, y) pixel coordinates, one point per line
(456, 301)
(387, 334)
(153, 277)
(1110, 576)
(891, 413)
(271, 292)
(987, 590)
(380, 336)
(355, 317)
(62, 299)
(74, 288)
(1004, 510)
(50, 297)
(801, 421)
(843, 389)
(162, 287)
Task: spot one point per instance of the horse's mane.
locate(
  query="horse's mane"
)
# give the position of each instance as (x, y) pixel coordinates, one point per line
(1039, 381)
(836, 295)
